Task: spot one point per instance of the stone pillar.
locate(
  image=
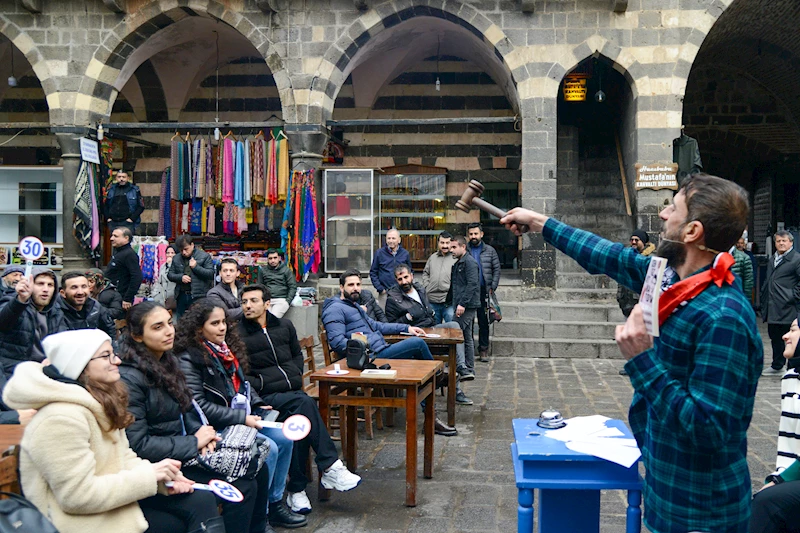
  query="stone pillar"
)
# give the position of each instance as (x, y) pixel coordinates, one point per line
(74, 255)
(307, 142)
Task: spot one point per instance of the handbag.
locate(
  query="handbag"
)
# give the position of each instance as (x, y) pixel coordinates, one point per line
(495, 313)
(18, 515)
(240, 453)
(358, 355)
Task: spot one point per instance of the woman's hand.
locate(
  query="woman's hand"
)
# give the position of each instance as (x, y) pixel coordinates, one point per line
(206, 435)
(167, 470)
(252, 421)
(179, 487)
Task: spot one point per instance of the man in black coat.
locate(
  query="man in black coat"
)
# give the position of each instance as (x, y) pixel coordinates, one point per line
(124, 270)
(276, 374)
(124, 204)
(81, 311)
(370, 306)
(780, 298)
(465, 295)
(489, 268)
(192, 271)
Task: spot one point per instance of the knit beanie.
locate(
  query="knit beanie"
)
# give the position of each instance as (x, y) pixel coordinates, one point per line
(71, 351)
(642, 234)
(13, 268)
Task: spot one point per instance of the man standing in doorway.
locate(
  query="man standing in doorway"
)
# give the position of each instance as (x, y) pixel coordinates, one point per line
(489, 264)
(464, 297)
(695, 384)
(381, 273)
(436, 279)
(124, 204)
(780, 298)
(192, 271)
(279, 279)
(124, 270)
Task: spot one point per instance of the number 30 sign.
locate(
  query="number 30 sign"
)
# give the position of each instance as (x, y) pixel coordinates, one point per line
(31, 248)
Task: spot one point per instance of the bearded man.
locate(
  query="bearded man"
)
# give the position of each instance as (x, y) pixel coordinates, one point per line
(695, 384)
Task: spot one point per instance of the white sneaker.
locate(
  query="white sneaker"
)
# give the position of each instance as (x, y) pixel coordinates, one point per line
(299, 502)
(340, 478)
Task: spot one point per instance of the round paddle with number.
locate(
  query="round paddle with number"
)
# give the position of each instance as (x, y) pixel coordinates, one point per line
(220, 488)
(296, 427)
(31, 249)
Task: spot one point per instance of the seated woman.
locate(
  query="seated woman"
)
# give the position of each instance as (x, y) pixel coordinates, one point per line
(214, 362)
(776, 507)
(161, 405)
(105, 292)
(75, 464)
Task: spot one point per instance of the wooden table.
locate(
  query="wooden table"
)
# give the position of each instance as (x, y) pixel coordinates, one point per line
(416, 378)
(449, 338)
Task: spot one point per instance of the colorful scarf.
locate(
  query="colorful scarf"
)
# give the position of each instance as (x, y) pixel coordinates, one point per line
(229, 362)
(689, 288)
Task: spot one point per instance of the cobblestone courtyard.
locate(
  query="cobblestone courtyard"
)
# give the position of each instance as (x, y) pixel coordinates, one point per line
(473, 484)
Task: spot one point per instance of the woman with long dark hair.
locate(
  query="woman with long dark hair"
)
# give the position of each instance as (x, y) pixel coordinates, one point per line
(164, 425)
(214, 361)
(75, 462)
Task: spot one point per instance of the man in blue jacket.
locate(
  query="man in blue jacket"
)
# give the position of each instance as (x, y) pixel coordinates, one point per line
(124, 205)
(343, 316)
(385, 261)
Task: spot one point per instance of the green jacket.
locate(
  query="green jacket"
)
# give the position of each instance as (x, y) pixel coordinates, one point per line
(743, 268)
(279, 280)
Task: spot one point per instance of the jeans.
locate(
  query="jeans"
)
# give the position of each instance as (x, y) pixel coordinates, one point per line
(178, 513)
(413, 348)
(465, 322)
(183, 301)
(298, 402)
(776, 331)
(278, 461)
(483, 321)
(442, 312)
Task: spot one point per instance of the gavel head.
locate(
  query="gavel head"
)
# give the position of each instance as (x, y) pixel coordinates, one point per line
(474, 189)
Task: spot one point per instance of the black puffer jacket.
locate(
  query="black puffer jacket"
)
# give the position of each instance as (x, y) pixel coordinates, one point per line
(207, 384)
(111, 299)
(22, 328)
(374, 311)
(157, 432)
(465, 283)
(400, 304)
(92, 316)
(276, 360)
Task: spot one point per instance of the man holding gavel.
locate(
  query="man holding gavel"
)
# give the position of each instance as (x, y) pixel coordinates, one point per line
(694, 385)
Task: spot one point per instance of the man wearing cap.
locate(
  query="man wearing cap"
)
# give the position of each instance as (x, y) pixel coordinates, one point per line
(626, 298)
(27, 316)
(11, 276)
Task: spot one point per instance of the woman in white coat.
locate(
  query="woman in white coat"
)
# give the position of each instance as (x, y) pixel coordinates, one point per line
(163, 288)
(75, 463)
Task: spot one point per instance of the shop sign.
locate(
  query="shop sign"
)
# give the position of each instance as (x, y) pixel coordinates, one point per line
(89, 151)
(657, 176)
(575, 88)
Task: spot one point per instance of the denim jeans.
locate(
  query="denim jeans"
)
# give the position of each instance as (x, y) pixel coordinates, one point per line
(442, 312)
(278, 461)
(413, 348)
(465, 321)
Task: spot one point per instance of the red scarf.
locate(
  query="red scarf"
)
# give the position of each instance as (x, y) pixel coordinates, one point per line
(228, 360)
(686, 289)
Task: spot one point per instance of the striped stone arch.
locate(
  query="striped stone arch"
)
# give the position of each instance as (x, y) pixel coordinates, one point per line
(336, 65)
(25, 44)
(97, 92)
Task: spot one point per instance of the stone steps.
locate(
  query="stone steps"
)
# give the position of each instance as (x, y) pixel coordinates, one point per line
(558, 329)
(555, 348)
(561, 311)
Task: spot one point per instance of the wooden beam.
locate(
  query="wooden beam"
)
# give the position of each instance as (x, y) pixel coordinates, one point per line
(619, 6)
(116, 6)
(34, 6)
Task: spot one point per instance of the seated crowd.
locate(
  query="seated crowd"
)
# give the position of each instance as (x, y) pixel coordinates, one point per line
(117, 428)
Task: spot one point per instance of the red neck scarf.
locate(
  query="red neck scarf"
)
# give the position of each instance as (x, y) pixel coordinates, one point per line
(685, 290)
(228, 360)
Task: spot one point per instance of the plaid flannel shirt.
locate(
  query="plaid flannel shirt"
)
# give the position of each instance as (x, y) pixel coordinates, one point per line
(693, 395)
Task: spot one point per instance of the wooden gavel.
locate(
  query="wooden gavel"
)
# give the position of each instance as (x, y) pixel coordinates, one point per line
(472, 196)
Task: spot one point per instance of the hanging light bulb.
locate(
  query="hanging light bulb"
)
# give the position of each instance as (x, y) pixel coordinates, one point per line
(216, 84)
(438, 49)
(12, 81)
(438, 84)
(600, 96)
(100, 132)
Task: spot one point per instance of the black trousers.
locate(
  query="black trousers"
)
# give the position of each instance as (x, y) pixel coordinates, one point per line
(483, 321)
(777, 509)
(776, 331)
(298, 402)
(181, 513)
(249, 516)
(183, 301)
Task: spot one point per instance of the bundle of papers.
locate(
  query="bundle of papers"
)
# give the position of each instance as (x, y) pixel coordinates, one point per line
(591, 435)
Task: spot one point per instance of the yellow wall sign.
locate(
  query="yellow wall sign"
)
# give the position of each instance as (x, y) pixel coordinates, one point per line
(575, 88)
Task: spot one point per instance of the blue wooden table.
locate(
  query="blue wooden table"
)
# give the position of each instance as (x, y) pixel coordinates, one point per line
(569, 482)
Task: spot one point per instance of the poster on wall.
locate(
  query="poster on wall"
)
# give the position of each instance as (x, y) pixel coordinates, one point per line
(657, 176)
(53, 256)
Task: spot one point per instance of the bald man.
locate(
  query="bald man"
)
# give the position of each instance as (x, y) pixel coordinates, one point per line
(385, 261)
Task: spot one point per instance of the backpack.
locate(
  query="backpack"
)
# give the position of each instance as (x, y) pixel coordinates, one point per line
(18, 515)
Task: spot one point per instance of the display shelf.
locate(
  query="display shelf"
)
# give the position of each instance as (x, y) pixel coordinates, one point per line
(340, 218)
(351, 218)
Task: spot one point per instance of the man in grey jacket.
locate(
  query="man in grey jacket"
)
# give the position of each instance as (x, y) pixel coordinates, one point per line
(279, 279)
(489, 263)
(193, 273)
(436, 279)
(226, 293)
(780, 298)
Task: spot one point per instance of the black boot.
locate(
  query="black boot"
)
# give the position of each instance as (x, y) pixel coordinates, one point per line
(281, 516)
(213, 525)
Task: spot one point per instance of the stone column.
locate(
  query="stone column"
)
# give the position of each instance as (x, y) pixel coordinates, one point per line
(307, 142)
(74, 255)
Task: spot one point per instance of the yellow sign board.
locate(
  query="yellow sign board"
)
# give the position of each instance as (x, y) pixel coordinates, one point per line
(575, 88)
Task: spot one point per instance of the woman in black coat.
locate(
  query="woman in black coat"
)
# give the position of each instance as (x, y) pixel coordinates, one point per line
(161, 406)
(214, 361)
(106, 293)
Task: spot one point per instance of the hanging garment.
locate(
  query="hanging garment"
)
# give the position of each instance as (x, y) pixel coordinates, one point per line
(241, 220)
(283, 169)
(212, 219)
(185, 218)
(210, 188)
(227, 219)
(258, 169)
(229, 161)
(238, 175)
(147, 262)
(287, 213)
(174, 165)
(272, 174)
(196, 217)
(85, 212)
(201, 170)
(246, 192)
(686, 152)
(204, 217)
(164, 205)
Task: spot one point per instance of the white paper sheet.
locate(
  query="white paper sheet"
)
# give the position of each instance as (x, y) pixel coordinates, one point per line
(590, 435)
(605, 449)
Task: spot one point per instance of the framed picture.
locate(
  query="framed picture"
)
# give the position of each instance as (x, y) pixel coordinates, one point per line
(119, 150)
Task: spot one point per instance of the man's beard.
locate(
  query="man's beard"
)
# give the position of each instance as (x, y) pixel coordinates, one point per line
(474, 242)
(352, 296)
(672, 250)
(406, 287)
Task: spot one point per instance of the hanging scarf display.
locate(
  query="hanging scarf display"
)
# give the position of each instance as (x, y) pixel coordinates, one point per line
(283, 168)
(165, 205)
(272, 173)
(259, 171)
(238, 175)
(228, 162)
(86, 214)
(687, 289)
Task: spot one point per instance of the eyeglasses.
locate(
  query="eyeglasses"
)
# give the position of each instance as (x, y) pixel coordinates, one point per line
(110, 356)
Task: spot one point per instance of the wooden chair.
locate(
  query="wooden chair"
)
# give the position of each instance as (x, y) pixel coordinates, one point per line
(9, 471)
(312, 389)
(370, 412)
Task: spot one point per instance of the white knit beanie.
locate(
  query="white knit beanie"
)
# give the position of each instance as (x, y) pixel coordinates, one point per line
(71, 351)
